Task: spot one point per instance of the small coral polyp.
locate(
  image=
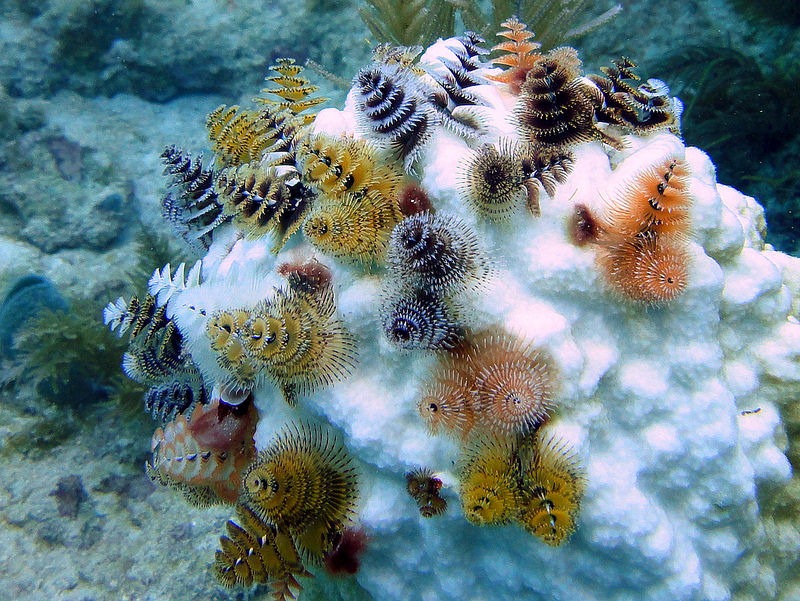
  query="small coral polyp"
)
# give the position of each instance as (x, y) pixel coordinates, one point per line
(500, 269)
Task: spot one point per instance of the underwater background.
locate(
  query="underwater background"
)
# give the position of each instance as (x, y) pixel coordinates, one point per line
(90, 94)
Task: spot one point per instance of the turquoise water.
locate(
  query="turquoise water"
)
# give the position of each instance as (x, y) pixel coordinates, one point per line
(91, 94)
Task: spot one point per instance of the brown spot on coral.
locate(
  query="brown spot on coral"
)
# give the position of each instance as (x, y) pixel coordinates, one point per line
(345, 556)
(584, 228)
(413, 200)
(221, 427)
(69, 495)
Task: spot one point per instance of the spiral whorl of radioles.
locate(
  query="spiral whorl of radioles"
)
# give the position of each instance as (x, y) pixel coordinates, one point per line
(192, 206)
(437, 252)
(355, 227)
(254, 551)
(494, 384)
(489, 483)
(263, 200)
(304, 478)
(155, 350)
(643, 252)
(299, 341)
(434, 261)
(556, 106)
(392, 109)
(335, 167)
(294, 337)
(419, 319)
(642, 109)
(453, 75)
(535, 481)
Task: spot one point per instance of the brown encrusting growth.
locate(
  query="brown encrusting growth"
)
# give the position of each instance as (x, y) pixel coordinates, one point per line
(345, 556)
(584, 227)
(413, 200)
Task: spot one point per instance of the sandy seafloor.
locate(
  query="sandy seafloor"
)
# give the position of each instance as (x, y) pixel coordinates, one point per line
(127, 539)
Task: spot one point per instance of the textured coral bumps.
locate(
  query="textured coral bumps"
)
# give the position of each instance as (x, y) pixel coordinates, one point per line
(514, 297)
